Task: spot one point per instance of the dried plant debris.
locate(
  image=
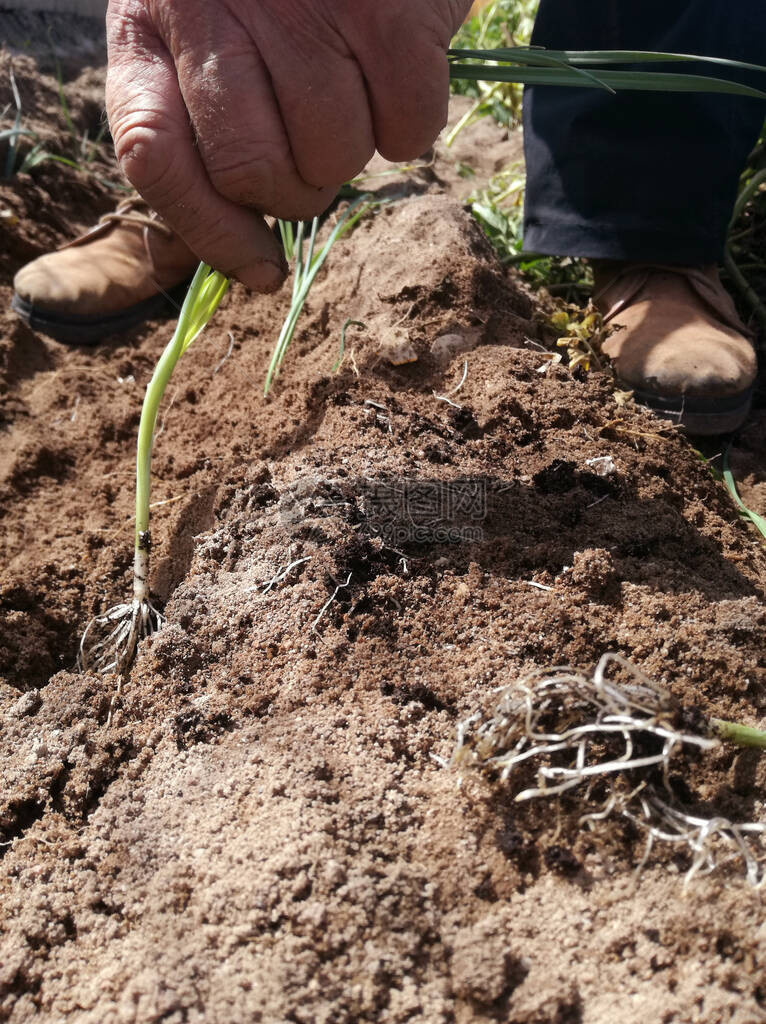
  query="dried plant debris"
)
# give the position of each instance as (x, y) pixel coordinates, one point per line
(558, 730)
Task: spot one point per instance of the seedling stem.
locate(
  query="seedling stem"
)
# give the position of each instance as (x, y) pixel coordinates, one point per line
(126, 624)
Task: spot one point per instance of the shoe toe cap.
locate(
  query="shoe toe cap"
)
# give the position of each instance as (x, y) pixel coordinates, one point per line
(701, 359)
(41, 285)
(713, 365)
(70, 283)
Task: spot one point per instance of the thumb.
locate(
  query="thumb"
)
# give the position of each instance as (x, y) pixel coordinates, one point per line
(155, 148)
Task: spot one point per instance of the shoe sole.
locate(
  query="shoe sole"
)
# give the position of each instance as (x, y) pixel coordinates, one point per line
(87, 330)
(700, 416)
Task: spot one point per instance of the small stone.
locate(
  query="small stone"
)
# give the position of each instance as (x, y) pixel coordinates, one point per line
(335, 874)
(483, 966)
(398, 351)
(602, 465)
(446, 346)
(27, 704)
(301, 887)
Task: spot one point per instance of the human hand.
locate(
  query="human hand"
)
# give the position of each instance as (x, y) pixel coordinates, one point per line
(224, 112)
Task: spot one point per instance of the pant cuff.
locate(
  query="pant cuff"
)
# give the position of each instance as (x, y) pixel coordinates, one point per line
(590, 241)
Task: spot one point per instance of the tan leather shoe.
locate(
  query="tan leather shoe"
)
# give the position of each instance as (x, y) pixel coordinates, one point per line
(126, 269)
(679, 344)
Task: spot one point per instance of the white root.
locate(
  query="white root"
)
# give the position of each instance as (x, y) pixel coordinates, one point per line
(578, 729)
(125, 625)
(110, 640)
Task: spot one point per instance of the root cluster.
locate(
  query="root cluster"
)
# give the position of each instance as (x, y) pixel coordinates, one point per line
(110, 640)
(575, 729)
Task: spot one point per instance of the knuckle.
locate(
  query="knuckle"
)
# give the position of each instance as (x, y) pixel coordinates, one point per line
(262, 175)
(338, 165)
(145, 154)
(246, 172)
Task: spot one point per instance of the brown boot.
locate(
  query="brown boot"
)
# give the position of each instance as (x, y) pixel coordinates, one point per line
(126, 269)
(679, 344)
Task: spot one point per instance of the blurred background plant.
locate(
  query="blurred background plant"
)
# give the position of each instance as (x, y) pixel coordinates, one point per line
(490, 24)
(745, 257)
(20, 159)
(499, 209)
(499, 206)
(24, 148)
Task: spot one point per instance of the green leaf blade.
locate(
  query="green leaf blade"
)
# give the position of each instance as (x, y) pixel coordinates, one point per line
(643, 81)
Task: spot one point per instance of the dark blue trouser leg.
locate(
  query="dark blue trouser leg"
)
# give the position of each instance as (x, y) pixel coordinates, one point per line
(640, 176)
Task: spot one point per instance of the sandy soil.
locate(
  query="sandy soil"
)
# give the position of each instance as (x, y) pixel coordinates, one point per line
(263, 832)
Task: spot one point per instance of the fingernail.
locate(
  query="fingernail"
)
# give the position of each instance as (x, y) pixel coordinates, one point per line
(263, 275)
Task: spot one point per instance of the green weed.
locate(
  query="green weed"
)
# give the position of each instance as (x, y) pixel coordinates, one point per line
(747, 513)
(300, 249)
(501, 23)
(26, 149)
(725, 476)
(499, 209)
(745, 256)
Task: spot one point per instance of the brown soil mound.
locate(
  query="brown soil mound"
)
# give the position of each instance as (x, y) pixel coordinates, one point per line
(263, 832)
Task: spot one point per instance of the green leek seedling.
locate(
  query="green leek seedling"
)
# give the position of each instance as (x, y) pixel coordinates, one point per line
(110, 640)
(307, 266)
